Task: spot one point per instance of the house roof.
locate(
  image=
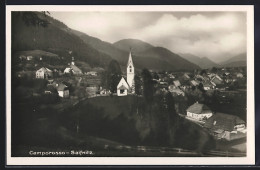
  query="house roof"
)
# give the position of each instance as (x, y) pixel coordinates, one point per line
(222, 121)
(176, 83)
(44, 69)
(199, 108)
(75, 69)
(61, 87)
(194, 83)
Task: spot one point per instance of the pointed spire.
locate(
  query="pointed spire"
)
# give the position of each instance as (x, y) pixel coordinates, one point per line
(130, 60)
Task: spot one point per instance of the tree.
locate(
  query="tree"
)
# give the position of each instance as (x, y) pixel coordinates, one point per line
(203, 72)
(138, 82)
(113, 75)
(214, 70)
(170, 106)
(148, 86)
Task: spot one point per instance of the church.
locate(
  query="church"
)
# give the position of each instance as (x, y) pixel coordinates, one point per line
(127, 86)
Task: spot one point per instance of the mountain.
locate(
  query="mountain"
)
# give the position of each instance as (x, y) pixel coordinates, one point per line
(236, 61)
(202, 62)
(53, 37)
(134, 44)
(104, 47)
(144, 54)
(158, 58)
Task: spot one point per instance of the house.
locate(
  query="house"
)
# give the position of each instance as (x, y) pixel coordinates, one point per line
(29, 57)
(216, 80)
(239, 75)
(194, 83)
(199, 112)
(125, 87)
(44, 73)
(176, 83)
(73, 69)
(92, 73)
(122, 87)
(226, 126)
(208, 85)
(63, 90)
(186, 76)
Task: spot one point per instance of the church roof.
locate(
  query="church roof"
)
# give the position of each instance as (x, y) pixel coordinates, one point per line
(123, 82)
(130, 60)
(122, 87)
(199, 108)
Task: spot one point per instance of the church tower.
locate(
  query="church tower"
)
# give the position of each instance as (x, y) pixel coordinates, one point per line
(130, 71)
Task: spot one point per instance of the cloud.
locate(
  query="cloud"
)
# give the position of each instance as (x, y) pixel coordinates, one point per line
(207, 34)
(213, 37)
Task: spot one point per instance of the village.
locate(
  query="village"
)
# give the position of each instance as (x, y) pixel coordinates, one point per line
(64, 88)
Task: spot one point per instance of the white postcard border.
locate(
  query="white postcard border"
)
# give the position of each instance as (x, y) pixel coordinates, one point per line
(248, 160)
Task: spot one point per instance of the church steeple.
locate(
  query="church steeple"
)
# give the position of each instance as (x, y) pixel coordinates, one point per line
(130, 70)
(130, 60)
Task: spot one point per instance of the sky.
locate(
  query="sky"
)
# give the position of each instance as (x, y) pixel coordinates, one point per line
(216, 35)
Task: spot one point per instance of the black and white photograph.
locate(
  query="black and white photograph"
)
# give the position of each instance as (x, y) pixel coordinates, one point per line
(105, 85)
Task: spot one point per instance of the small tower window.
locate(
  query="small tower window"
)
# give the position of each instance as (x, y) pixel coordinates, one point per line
(130, 66)
(130, 70)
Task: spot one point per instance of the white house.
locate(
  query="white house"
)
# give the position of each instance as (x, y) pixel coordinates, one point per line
(199, 112)
(92, 73)
(125, 87)
(63, 90)
(73, 69)
(43, 73)
(122, 87)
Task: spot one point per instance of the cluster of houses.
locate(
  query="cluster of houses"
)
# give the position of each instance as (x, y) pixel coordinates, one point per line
(60, 86)
(178, 83)
(220, 125)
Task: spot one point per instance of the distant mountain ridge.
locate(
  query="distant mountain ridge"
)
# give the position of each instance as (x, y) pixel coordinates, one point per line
(135, 44)
(236, 61)
(202, 62)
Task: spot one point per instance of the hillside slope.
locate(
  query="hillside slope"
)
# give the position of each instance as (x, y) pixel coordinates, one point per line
(202, 62)
(134, 44)
(159, 57)
(53, 38)
(236, 61)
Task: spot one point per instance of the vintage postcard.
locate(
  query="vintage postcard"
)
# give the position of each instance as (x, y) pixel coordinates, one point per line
(130, 85)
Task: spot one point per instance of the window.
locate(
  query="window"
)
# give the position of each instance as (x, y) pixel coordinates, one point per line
(122, 91)
(130, 66)
(130, 70)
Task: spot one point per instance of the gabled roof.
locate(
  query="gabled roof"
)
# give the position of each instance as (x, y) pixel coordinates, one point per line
(44, 69)
(61, 87)
(221, 121)
(123, 82)
(176, 83)
(194, 82)
(199, 108)
(75, 69)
